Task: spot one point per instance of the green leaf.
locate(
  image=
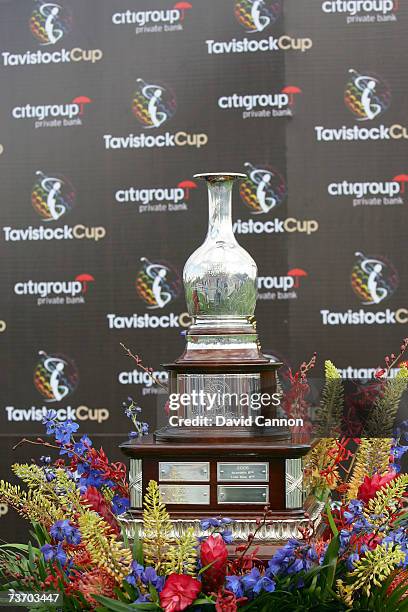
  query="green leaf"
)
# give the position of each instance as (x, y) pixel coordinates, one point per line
(118, 606)
(137, 549)
(331, 519)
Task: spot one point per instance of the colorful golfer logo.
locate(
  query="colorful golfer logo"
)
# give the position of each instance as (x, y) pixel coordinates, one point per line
(153, 104)
(366, 95)
(257, 15)
(373, 279)
(49, 22)
(263, 190)
(55, 377)
(157, 284)
(52, 196)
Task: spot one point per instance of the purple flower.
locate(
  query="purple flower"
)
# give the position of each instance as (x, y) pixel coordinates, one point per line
(120, 504)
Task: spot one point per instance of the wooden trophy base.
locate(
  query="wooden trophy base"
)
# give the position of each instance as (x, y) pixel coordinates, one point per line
(234, 479)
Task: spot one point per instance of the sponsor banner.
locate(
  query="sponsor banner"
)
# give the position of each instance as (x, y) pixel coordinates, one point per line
(155, 21)
(363, 11)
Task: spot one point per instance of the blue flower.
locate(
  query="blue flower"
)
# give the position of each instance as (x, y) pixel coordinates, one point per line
(233, 584)
(265, 584)
(48, 552)
(227, 536)
(49, 420)
(145, 429)
(83, 445)
(351, 559)
(344, 537)
(45, 459)
(250, 580)
(49, 476)
(59, 529)
(54, 553)
(64, 431)
(399, 451)
(60, 555)
(355, 509)
(63, 530)
(210, 522)
(120, 504)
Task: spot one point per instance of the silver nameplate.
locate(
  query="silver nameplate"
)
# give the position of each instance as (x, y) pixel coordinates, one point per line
(238, 494)
(229, 472)
(184, 471)
(185, 494)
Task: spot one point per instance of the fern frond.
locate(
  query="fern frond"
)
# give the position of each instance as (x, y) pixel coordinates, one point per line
(330, 412)
(372, 457)
(182, 558)
(157, 528)
(382, 417)
(105, 550)
(371, 570)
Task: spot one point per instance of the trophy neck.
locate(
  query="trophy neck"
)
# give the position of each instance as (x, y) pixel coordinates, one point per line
(219, 211)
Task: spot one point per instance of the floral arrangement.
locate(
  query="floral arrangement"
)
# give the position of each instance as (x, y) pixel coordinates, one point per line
(355, 557)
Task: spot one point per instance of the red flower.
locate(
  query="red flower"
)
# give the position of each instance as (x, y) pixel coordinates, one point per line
(400, 579)
(214, 551)
(179, 592)
(227, 602)
(102, 507)
(379, 373)
(370, 486)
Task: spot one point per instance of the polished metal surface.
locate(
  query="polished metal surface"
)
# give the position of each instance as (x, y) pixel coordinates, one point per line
(275, 531)
(184, 471)
(230, 472)
(220, 276)
(241, 494)
(185, 494)
(294, 490)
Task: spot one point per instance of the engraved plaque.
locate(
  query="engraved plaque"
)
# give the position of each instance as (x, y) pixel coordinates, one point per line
(184, 471)
(230, 472)
(185, 494)
(237, 494)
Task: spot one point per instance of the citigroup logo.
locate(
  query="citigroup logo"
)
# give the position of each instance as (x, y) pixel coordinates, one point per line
(157, 283)
(366, 95)
(257, 15)
(55, 376)
(52, 196)
(263, 190)
(153, 104)
(50, 22)
(373, 279)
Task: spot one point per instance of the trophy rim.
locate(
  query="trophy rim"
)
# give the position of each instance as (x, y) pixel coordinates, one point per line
(222, 176)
